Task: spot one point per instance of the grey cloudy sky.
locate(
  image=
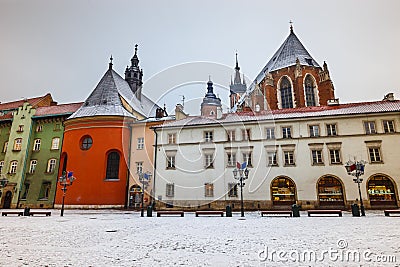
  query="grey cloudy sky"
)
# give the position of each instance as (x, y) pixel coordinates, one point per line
(63, 47)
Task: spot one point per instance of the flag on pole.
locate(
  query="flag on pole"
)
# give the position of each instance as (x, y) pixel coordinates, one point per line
(244, 165)
(353, 167)
(69, 174)
(238, 165)
(146, 176)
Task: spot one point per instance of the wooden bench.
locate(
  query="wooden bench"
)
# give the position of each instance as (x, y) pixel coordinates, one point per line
(209, 213)
(388, 212)
(323, 212)
(47, 213)
(170, 212)
(19, 213)
(276, 212)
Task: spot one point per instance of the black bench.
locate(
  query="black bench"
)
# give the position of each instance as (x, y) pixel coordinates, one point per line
(388, 212)
(276, 212)
(47, 213)
(209, 213)
(170, 212)
(323, 212)
(19, 213)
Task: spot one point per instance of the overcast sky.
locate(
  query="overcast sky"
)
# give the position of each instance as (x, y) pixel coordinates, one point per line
(63, 47)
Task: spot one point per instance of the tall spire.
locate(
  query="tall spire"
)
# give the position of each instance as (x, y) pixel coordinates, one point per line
(237, 63)
(237, 73)
(135, 59)
(110, 64)
(291, 26)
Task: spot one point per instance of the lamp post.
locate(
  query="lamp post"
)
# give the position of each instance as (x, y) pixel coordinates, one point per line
(357, 169)
(65, 180)
(144, 180)
(241, 174)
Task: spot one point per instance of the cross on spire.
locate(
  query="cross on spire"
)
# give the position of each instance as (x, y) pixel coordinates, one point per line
(110, 64)
(291, 26)
(136, 49)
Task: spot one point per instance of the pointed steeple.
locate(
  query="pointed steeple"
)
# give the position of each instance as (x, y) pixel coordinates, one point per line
(110, 64)
(135, 59)
(134, 75)
(237, 73)
(211, 105)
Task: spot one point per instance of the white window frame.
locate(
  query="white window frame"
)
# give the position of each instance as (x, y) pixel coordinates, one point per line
(5, 147)
(36, 144)
(13, 166)
(231, 134)
(170, 190)
(208, 160)
(172, 138)
(17, 144)
(370, 127)
(232, 189)
(39, 128)
(374, 154)
(331, 129)
(209, 190)
(248, 158)
(32, 166)
(246, 133)
(208, 136)
(231, 159)
(270, 133)
(388, 126)
(272, 158)
(140, 143)
(171, 162)
(316, 157)
(286, 132)
(1, 166)
(288, 158)
(335, 156)
(314, 130)
(139, 167)
(51, 165)
(55, 143)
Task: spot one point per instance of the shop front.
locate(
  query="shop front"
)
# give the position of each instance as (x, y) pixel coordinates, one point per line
(330, 192)
(135, 194)
(283, 191)
(381, 192)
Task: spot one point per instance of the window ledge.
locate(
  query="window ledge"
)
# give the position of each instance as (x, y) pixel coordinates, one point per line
(376, 162)
(272, 165)
(289, 165)
(170, 168)
(16, 150)
(111, 179)
(48, 173)
(318, 164)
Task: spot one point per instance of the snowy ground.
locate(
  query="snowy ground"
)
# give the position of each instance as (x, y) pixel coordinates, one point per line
(118, 238)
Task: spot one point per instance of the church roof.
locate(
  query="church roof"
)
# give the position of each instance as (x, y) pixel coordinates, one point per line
(287, 54)
(106, 99)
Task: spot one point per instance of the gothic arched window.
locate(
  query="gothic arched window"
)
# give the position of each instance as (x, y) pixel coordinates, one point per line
(112, 166)
(286, 93)
(309, 88)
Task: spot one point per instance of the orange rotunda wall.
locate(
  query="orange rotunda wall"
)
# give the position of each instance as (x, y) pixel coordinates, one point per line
(91, 189)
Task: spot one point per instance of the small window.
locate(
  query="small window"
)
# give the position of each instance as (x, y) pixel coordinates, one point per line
(231, 159)
(39, 128)
(289, 158)
(20, 128)
(55, 143)
(36, 144)
(140, 143)
(170, 190)
(248, 159)
(208, 136)
(17, 144)
(232, 190)
(314, 130)
(375, 155)
(139, 167)
(335, 156)
(286, 132)
(57, 127)
(25, 191)
(45, 191)
(231, 135)
(172, 138)
(316, 157)
(245, 134)
(272, 158)
(51, 165)
(208, 190)
(270, 133)
(86, 143)
(331, 129)
(1, 166)
(170, 162)
(370, 127)
(388, 126)
(112, 170)
(5, 147)
(13, 166)
(32, 166)
(209, 158)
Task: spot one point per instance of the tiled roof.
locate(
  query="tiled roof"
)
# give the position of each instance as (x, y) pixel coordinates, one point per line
(294, 113)
(291, 50)
(15, 104)
(57, 109)
(105, 99)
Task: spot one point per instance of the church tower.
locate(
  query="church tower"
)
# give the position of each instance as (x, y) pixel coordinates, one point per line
(133, 75)
(237, 86)
(292, 79)
(211, 106)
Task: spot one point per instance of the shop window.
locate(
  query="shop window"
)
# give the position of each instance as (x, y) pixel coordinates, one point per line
(86, 142)
(208, 190)
(36, 144)
(381, 191)
(140, 143)
(112, 170)
(331, 129)
(330, 192)
(170, 190)
(283, 191)
(232, 190)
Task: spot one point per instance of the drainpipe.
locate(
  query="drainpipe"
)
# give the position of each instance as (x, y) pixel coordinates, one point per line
(155, 168)
(128, 169)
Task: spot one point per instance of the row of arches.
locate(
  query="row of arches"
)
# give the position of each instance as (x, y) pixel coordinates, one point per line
(381, 191)
(286, 96)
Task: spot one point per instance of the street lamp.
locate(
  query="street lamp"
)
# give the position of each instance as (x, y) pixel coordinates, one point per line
(65, 180)
(357, 169)
(144, 180)
(241, 174)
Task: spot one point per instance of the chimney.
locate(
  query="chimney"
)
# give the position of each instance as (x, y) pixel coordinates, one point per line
(388, 97)
(179, 113)
(333, 102)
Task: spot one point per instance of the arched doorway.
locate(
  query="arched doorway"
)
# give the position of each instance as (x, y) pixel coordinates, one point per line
(135, 194)
(330, 192)
(381, 192)
(283, 191)
(7, 200)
